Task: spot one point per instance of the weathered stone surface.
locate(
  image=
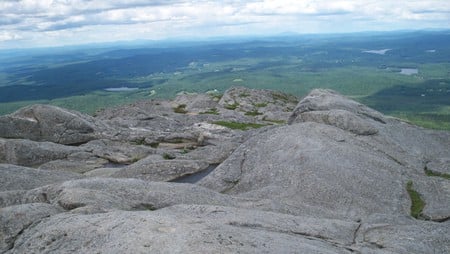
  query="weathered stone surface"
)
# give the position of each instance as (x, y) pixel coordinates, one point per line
(30, 153)
(75, 166)
(196, 103)
(213, 154)
(323, 100)
(16, 219)
(186, 229)
(94, 195)
(265, 104)
(435, 191)
(48, 123)
(160, 169)
(117, 152)
(340, 118)
(314, 169)
(21, 178)
(403, 235)
(439, 165)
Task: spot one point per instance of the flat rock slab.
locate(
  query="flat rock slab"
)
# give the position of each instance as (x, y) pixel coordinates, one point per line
(31, 153)
(160, 170)
(22, 178)
(184, 229)
(93, 195)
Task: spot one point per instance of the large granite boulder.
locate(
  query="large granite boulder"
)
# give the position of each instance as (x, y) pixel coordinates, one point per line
(48, 123)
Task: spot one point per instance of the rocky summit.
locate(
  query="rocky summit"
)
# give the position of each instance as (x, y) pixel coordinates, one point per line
(249, 171)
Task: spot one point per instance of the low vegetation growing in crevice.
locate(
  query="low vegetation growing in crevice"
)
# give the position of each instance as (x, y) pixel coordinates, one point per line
(274, 121)
(438, 174)
(253, 113)
(261, 105)
(239, 126)
(167, 156)
(232, 106)
(180, 109)
(417, 204)
(211, 111)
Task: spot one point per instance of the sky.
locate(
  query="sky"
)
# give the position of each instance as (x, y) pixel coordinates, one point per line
(43, 23)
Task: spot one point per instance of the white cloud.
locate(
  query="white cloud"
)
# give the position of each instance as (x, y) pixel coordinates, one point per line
(9, 36)
(75, 21)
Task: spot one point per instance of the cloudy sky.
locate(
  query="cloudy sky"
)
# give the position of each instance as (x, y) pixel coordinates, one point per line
(33, 23)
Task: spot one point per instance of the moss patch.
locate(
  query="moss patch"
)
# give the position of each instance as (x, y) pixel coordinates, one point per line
(239, 126)
(417, 204)
(438, 174)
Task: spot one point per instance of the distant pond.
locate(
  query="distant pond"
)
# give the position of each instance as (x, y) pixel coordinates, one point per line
(121, 89)
(409, 71)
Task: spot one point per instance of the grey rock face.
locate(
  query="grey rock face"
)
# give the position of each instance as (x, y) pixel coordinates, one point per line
(340, 118)
(30, 153)
(94, 195)
(328, 107)
(314, 169)
(48, 123)
(186, 229)
(22, 178)
(15, 219)
(323, 100)
(266, 104)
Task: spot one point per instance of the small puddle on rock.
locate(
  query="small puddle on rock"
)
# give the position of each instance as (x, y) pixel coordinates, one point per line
(195, 177)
